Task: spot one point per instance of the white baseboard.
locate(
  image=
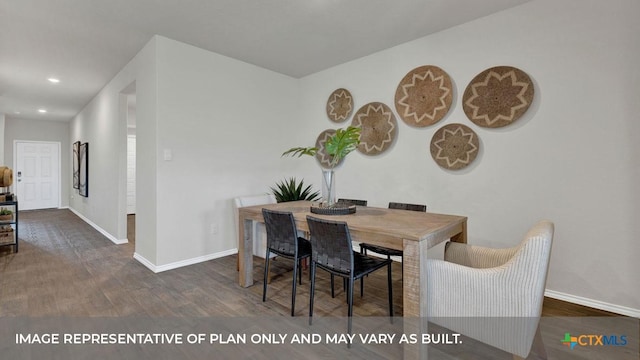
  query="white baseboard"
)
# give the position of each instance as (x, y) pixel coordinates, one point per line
(596, 304)
(181, 263)
(141, 259)
(100, 230)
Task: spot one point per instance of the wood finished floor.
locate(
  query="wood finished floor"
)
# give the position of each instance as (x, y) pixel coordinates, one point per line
(66, 268)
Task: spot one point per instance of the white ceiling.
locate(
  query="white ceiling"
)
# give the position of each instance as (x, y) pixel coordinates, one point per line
(85, 43)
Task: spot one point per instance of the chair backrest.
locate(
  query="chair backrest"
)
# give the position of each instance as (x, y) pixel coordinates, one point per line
(258, 228)
(528, 267)
(353, 202)
(405, 206)
(532, 259)
(523, 273)
(282, 234)
(254, 200)
(331, 245)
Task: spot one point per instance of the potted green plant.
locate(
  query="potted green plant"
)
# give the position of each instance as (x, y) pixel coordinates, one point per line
(292, 190)
(338, 146)
(6, 214)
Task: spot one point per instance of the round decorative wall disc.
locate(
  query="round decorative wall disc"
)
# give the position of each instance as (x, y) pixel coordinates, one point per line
(321, 155)
(498, 96)
(339, 105)
(6, 176)
(424, 96)
(378, 128)
(454, 146)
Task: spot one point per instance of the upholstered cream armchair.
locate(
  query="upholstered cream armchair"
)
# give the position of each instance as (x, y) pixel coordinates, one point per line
(493, 295)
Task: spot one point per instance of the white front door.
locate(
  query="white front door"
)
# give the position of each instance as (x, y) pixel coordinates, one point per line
(37, 174)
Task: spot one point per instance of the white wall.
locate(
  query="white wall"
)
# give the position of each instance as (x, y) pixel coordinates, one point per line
(2, 122)
(571, 158)
(223, 121)
(102, 124)
(41, 130)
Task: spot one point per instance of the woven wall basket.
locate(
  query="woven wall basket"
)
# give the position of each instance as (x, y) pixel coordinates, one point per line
(6, 176)
(339, 105)
(424, 96)
(321, 155)
(454, 146)
(498, 96)
(378, 125)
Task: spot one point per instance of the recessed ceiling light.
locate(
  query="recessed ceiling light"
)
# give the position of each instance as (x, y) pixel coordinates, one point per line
(54, 80)
(42, 111)
(17, 112)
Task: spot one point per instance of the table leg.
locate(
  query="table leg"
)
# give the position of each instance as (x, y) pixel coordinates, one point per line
(245, 251)
(414, 269)
(414, 261)
(461, 237)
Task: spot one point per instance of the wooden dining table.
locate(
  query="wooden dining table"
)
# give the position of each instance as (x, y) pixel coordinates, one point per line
(412, 232)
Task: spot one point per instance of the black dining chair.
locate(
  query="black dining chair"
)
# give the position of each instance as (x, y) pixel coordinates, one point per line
(353, 202)
(357, 202)
(405, 206)
(364, 247)
(283, 240)
(331, 250)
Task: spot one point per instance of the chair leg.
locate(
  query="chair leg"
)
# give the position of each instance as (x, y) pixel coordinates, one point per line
(537, 348)
(333, 293)
(363, 251)
(312, 290)
(299, 264)
(266, 277)
(350, 301)
(344, 288)
(389, 284)
(296, 268)
(538, 345)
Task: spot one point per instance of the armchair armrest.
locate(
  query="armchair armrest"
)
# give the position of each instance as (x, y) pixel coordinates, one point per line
(458, 290)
